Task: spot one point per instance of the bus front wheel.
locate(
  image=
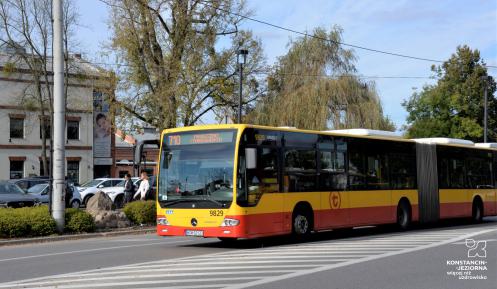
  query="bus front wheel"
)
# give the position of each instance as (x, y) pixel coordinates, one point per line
(302, 223)
(403, 215)
(226, 240)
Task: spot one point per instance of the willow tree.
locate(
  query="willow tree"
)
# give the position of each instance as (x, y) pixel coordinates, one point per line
(179, 58)
(313, 87)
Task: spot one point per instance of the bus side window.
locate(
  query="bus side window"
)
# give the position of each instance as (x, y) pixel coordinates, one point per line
(357, 175)
(300, 170)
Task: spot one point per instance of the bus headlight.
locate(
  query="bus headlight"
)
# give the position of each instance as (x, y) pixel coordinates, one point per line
(228, 222)
(162, 221)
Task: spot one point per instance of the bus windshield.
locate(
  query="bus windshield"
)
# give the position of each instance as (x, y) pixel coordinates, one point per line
(196, 169)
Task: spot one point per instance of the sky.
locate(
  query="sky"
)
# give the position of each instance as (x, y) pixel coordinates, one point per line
(422, 28)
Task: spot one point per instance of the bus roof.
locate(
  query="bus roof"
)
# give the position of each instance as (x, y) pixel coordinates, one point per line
(358, 132)
(367, 132)
(445, 140)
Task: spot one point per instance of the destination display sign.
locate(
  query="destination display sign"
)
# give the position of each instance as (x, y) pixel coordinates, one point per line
(200, 138)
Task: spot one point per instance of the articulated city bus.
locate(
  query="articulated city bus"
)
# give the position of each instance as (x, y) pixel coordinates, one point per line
(247, 181)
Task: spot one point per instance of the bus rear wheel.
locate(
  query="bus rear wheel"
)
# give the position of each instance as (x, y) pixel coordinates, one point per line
(477, 213)
(403, 216)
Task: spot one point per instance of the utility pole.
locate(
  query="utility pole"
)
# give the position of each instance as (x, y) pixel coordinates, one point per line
(485, 106)
(242, 53)
(59, 153)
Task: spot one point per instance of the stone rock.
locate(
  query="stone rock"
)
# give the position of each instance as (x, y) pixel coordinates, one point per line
(99, 202)
(100, 207)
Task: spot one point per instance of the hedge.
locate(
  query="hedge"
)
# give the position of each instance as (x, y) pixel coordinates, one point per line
(36, 221)
(78, 221)
(26, 222)
(141, 212)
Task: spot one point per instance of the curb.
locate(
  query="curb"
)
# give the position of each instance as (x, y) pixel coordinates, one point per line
(4, 243)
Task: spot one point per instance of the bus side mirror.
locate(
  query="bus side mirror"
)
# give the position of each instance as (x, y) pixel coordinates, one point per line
(166, 156)
(251, 158)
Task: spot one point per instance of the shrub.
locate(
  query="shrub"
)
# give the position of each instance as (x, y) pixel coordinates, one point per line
(78, 221)
(141, 212)
(25, 222)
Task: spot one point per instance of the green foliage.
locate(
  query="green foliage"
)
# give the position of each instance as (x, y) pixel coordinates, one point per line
(178, 71)
(26, 222)
(78, 221)
(301, 94)
(141, 212)
(453, 107)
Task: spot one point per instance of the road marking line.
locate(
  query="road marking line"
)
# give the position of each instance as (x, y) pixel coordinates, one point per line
(77, 279)
(210, 268)
(144, 282)
(351, 262)
(225, 258)
(189, 287)
(89, 250)
(100, 269)
(280, 257)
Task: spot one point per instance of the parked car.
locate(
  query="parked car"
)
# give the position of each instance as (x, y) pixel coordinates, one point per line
(40, 191)
(116, 193)
(27, 183)
(88, 189)
(12, 196)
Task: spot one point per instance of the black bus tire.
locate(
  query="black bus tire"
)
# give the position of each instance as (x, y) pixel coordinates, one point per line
(403, 215)
(302, 222)
(227, 240)
(477, 211)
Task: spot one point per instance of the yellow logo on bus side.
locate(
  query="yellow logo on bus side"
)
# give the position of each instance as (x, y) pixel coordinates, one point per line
(335, 200)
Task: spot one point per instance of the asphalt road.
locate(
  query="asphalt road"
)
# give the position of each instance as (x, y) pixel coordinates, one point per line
(428, 257)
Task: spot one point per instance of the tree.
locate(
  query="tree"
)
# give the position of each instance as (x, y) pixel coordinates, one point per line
(179, 59)
(26, 28)
(453, 107)
(301, 93)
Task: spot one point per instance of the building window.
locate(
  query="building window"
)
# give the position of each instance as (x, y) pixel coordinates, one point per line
(16, 169)
(16, 128)
(73, 171)
(46, 127)
(73, 129)
(42, 172)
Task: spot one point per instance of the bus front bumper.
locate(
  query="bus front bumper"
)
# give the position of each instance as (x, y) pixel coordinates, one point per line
(208, 232)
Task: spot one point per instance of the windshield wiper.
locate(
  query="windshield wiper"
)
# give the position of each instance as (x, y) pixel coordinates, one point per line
(206, 198)
(172, 202)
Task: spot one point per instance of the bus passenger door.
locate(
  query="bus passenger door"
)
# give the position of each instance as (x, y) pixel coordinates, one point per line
(335, 205)
(263, 192)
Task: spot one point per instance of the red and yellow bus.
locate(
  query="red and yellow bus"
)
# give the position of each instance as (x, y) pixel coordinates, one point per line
(247, 181)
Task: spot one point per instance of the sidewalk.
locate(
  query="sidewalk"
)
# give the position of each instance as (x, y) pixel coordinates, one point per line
(54, 238)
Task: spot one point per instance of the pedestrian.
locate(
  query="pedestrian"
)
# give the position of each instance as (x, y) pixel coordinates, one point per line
(143, 188)
(129, 188)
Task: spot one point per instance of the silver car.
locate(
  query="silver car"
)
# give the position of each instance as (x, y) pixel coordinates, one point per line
(12, 196)
(40, 191)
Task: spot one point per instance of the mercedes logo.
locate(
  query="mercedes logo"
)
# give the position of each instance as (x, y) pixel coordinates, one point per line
(194, 222)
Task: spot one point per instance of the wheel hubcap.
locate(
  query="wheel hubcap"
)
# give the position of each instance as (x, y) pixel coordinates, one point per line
(301, 224)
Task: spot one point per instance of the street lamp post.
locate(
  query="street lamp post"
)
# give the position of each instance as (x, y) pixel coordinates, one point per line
(486, 79)
(242, 53)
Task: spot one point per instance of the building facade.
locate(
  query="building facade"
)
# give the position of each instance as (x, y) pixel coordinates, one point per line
(124, 153)
(21, 119)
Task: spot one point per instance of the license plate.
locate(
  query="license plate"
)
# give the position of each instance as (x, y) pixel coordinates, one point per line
(194, 233)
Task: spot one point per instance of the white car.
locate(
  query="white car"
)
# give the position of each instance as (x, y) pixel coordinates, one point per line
(116, 193)
(88, 189)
